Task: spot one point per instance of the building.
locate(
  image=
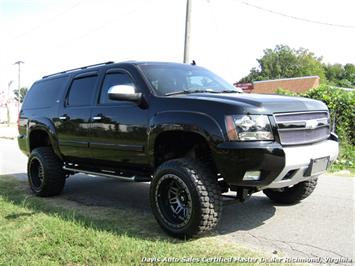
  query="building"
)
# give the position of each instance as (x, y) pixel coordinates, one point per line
(298, 85)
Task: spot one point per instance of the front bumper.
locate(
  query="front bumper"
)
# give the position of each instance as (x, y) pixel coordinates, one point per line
(298, 160)
(279, 166)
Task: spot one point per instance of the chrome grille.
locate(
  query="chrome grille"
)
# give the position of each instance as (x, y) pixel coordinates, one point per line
(302, 128)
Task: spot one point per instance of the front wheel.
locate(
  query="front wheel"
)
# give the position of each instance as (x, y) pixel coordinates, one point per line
(185, 198)
(294, 194)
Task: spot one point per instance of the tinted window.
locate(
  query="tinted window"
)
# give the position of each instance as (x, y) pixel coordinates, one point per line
(44, 93)
(112, 80)
(197, 82)
(170, 78)
(81, 91)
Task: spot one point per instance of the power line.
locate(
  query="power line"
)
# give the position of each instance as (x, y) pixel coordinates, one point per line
(298, 18)
(118, 17)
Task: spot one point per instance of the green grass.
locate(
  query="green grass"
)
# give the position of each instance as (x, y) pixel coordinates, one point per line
(345, 160)
(57, 231)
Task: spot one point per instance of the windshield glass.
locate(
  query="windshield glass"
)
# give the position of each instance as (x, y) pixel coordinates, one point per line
(170, 79)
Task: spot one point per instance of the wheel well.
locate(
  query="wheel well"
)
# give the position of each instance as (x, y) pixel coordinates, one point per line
(39, 138)
(176, 144)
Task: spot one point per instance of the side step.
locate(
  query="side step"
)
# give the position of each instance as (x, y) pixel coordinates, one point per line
(132, 178)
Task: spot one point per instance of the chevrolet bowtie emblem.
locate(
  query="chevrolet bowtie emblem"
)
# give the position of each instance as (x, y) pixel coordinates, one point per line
(311, 124)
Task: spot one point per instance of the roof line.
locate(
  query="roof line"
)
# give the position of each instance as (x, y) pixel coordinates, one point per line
(77, 69)
(271, 80)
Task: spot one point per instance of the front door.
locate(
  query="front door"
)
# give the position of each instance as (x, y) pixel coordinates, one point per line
(73, 126)
(118, 129)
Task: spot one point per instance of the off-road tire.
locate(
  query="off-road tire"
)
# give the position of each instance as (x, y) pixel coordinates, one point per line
(294, 194)
(44, 163)
(206, 203)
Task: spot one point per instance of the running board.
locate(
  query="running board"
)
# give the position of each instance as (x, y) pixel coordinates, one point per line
(133, 178)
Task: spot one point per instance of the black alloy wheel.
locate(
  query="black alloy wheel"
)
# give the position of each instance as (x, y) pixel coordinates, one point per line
(185, 197)
(174, 200)
(45, 172)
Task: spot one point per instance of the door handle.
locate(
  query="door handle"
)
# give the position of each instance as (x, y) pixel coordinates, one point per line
(63, 117)
(97, 118)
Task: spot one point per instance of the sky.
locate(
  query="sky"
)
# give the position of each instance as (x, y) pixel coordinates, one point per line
(227, 36)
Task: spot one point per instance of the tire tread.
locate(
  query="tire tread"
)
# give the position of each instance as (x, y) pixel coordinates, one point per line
(54, 179)
(293, 194)
(206, 186)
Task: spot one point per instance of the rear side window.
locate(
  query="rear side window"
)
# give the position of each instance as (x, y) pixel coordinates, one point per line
(110, 80)
(44, 93)
(81, 91)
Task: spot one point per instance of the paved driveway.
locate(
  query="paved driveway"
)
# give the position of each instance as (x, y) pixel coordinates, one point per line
(321, 226)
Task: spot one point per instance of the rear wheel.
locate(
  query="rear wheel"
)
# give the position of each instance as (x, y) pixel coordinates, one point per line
(294, 194)
(45, 174)
(185, 198)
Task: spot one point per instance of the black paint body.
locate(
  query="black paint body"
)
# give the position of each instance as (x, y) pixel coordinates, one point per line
(124, 139)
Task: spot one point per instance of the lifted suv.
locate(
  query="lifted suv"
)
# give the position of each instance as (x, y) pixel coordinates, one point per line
(190, 133)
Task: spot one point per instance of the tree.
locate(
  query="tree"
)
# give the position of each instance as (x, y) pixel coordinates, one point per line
(339, 75)
(20, 95)
(350, 73)
(285, 62)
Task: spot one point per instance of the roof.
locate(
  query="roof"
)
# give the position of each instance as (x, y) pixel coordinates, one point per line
(298, 85)
(79, 68)
(132, 62)
(297, 78)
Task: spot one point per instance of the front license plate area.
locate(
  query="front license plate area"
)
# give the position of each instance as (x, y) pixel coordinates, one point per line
(317, 166)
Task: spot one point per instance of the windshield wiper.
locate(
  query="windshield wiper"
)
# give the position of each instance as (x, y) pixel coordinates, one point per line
(229, 91)
(189, 91)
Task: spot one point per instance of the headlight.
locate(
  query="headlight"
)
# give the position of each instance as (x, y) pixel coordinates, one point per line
(248, 127)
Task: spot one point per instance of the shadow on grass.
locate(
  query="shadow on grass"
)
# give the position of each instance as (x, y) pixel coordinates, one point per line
(18, 215)
(122, 208)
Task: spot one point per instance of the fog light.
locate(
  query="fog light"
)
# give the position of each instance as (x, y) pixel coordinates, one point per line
(251, 175)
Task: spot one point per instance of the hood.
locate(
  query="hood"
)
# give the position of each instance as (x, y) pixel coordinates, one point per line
(264, 102)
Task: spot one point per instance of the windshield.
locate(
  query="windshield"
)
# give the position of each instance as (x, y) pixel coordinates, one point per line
(170, 79)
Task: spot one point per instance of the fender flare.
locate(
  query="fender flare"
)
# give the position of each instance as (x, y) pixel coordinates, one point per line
(186, 121)
(46, 125)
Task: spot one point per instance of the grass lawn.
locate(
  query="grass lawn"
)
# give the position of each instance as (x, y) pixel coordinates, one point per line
(57, 231)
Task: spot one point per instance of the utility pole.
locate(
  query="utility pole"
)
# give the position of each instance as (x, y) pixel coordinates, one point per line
(187, 31)
(19, 83)
(8, 102)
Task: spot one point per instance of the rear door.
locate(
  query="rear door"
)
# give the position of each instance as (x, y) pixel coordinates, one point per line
(119, 128)
(73, 125)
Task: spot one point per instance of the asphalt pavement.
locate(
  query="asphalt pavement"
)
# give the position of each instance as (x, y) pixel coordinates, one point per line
(320, 226)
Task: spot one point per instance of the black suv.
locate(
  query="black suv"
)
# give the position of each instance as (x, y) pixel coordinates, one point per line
(180, 127)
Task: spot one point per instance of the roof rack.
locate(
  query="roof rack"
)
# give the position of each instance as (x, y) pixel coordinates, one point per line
(79, 68)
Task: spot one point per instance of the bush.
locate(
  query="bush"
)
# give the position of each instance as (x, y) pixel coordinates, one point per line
(281, 91)
(341, 104)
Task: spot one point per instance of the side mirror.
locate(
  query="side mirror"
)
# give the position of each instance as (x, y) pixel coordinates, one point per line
(124, 93)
